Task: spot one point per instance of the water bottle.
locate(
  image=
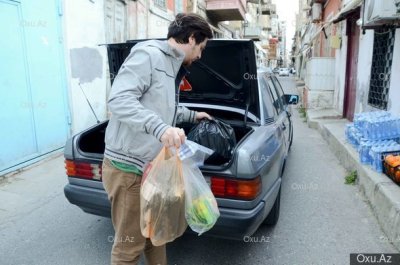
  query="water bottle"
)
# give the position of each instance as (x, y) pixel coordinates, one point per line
(377, 132)
(396, 125)
(385, 129)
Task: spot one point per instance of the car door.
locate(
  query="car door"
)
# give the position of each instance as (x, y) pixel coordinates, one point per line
(275, 148)
(286, 106)
(282, 119)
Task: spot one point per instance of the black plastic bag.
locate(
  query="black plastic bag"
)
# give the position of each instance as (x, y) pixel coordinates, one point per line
(216, 135)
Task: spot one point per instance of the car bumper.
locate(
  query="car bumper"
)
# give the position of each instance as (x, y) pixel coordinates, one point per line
(90, 200)
(237, 224)
(232, 223)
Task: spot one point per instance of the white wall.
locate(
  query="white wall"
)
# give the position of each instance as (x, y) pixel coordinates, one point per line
(364, 71)
(394, 91)
(340, 70)
(159, 21)
(86, 61)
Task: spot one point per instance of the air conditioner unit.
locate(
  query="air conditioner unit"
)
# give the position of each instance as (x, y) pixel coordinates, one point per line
(316, 12)
(381, 12)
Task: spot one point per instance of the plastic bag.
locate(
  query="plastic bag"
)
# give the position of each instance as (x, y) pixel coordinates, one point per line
(201, 209)
(195, 152)
(162, 199)
(217, 135)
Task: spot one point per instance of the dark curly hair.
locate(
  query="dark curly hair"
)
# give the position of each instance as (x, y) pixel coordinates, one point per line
(188, 24)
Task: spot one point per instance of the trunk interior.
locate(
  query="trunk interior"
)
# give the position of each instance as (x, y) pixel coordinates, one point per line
(233, 119)
(92, 140)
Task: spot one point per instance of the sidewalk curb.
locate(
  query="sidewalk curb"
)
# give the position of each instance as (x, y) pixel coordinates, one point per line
(382, 194)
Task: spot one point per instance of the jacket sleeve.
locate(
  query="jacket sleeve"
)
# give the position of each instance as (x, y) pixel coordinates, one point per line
(132, 81)
(183, 114)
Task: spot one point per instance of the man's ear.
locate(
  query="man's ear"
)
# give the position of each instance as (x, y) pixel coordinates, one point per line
(192, 40)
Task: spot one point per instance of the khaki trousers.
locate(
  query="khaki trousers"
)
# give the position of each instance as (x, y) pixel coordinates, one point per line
(123, 191)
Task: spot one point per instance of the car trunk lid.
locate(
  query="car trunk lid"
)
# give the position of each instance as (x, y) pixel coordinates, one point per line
(225, 75)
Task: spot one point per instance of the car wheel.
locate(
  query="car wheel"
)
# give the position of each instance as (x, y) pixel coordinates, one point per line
(273, 216)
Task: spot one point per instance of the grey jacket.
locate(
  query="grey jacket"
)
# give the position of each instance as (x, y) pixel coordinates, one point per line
(143, 103)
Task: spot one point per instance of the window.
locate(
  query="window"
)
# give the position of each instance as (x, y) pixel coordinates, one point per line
(381, 68)
(279, 89)
(160, 3)
(268, 109)
(115, 21)
(277, 102)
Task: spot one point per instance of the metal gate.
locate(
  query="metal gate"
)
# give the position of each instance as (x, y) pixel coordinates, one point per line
(33, 107)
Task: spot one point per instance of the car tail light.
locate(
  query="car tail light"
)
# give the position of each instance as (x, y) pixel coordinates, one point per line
(235, 189)
(83, 170)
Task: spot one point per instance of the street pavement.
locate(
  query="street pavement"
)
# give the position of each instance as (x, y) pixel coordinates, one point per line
(322, 220)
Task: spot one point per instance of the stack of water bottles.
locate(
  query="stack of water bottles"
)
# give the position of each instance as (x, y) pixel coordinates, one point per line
(374, 135)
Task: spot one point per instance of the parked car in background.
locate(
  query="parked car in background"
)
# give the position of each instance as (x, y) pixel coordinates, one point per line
(275, 70)
(227, 84)
(283, 72)
(292, 70)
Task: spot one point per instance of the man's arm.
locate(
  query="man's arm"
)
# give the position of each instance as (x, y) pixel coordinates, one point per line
(186, 115)
(183, 114)
(132, 81)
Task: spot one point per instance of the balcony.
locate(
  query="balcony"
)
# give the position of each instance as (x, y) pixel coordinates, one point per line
(264, 22)
(252, 32)
(226, 10)
(272, 51)
(268, 9)
(265, 44)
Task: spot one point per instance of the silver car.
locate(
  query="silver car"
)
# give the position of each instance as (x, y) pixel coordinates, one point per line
(226, 84)
(283, 72)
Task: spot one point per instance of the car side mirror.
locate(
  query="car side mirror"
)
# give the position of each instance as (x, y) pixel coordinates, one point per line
(291, 99)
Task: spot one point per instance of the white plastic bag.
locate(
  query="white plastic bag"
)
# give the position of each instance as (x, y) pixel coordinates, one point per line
(162, 199)
(201, 209)
(195, 152)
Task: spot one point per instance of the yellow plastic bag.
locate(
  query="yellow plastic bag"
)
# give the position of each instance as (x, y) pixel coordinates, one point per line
(162, 199)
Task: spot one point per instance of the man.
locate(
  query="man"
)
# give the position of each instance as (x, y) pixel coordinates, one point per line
(143, 104)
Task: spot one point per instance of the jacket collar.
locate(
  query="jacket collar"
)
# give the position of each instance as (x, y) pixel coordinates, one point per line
(176, 55)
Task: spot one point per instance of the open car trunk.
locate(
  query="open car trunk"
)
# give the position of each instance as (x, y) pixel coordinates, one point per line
(92, 141)
(219, 87)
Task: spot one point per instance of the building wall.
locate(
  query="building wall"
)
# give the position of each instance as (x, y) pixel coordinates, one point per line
(330, 10)
(364, 71)
(159, 21)
(86, 27)
(364, 74)
(340, 68)
(85, 61)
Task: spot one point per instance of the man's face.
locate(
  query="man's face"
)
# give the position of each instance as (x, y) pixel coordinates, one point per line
(193, 51)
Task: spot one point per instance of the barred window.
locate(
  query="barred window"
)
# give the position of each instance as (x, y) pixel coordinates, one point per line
(160, 3)
(381, 68)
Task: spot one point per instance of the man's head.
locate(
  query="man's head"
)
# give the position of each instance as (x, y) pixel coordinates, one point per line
(189, 32)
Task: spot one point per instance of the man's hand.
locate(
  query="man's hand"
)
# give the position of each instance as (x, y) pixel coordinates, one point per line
(173, 137)
(202, 115)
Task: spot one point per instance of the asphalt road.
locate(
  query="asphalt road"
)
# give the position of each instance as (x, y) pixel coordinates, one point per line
(322, 220)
